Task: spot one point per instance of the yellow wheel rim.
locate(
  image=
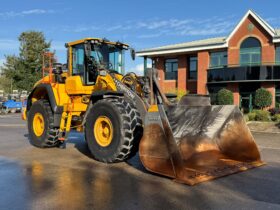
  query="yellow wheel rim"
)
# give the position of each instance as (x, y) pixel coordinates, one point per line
(38, 124)
(103, 131)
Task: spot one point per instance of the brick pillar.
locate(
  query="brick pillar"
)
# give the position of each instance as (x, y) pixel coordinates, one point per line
(234, 88)
(233, 56)
(268, 54)
(160, 67)
(182, 73)
(271, 88)
(203, 64)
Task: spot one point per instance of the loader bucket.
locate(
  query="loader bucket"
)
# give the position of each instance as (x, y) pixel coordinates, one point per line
(193, 144)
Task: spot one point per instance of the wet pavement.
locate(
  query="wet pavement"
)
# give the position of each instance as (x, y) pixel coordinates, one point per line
(33, 178)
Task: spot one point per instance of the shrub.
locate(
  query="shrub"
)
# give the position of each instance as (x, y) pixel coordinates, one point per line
(274, 111)
(276, 117)
(263, 98)
(261, 115)
(225, 97)
(181, 93)
(251, 116)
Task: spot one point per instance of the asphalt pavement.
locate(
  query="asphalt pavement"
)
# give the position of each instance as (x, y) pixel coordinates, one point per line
(33, 178)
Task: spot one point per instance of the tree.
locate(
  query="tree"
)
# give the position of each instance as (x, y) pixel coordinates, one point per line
(5, 84)
(32, 44)
(225, 97)
(263, 98)
(22, 69)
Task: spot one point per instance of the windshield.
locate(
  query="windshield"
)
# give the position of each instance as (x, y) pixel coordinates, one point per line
(109, 55)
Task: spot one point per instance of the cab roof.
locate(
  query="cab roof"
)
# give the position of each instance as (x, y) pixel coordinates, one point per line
(80, 41)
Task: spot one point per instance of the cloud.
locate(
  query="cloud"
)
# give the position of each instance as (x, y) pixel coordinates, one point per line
(9, 44)
(58, 46)
(12, 14)
(274, 21)
(139, 69)
(187, 27)
(153, 28)
(79, 29)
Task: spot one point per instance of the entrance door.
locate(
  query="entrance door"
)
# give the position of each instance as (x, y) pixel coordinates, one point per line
(247, 93)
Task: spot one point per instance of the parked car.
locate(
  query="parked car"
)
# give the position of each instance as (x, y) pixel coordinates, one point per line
(11, 106)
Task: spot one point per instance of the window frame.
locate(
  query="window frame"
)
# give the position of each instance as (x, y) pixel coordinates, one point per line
(277, 94)
(220, 55)
(189, 67)
(173, 72)
(74, 60)
(250, 52)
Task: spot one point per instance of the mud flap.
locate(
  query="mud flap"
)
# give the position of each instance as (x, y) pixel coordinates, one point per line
(193, 144)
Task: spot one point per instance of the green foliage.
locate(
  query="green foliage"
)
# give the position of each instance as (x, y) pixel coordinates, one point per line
(252, 116)
(276, 118)
(225, 97)
(181, 93)
(263, 98)
(261, 115)
(22, 69)
(5, 84)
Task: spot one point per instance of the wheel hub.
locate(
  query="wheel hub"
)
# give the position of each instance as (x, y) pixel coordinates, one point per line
(38, 124)
(103, 131)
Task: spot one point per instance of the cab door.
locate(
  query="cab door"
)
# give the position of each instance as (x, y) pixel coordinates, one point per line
(77, 82)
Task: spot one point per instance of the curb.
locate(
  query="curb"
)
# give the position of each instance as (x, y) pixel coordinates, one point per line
(258, 131)
(255, 131)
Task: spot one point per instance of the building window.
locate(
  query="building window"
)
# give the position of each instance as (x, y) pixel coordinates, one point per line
(277, 95)
(192, 68)
(171, 69)
(250, 52)
(218, 59)
(277, 55)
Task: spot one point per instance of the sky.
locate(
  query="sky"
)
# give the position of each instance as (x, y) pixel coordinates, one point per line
(140, 23)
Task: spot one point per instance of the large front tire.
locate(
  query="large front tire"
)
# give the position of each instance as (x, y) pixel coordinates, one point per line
(113, 129)
(40, 125)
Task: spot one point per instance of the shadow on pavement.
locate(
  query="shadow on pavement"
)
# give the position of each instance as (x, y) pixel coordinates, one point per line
(116, 186)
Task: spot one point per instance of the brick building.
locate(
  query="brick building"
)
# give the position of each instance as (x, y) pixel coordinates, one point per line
(247, 59)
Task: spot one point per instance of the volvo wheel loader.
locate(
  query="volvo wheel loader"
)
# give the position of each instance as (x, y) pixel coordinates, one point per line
(189, 141)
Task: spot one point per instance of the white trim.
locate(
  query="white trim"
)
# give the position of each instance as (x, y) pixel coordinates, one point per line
(181, 50)
(276, 40)
(266, 26)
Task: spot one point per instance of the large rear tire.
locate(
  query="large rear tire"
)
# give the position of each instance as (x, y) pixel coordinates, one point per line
(40, 125)
(113, 130)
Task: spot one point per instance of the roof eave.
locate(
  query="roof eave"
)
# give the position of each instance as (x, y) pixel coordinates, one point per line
(181, 50)
(264, 24)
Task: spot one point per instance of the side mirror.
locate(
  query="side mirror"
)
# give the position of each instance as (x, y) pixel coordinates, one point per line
(132, 53)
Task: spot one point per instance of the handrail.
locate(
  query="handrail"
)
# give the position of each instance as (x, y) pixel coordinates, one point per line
(244, 73)
(249, 65)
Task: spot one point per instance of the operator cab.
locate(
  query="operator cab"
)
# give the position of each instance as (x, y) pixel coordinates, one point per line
(88, 56)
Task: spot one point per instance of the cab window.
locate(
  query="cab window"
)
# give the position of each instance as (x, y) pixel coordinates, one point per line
(78, 60)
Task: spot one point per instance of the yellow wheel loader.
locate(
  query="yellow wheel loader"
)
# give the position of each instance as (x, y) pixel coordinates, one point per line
(189, 141)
